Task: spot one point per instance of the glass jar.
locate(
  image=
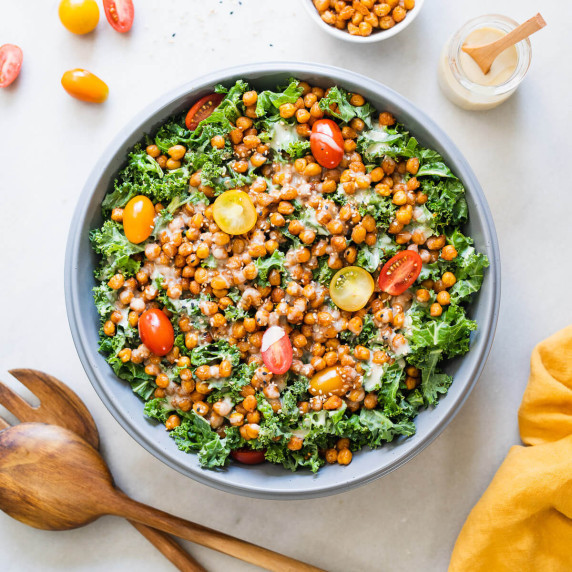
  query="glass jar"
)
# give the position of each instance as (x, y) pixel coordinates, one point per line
(459, 77)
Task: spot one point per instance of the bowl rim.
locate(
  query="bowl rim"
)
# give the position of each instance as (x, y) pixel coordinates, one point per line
(371, 39)
(78, 327)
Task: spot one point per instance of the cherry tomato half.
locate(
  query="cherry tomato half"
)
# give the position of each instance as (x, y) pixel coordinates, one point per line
(119, 14)
(276, 350)
(351, 288)
(202, 109)
(248, 456)
(156, 331)
(138, 219)
(234, 212)
(79, 16)
(327, 143)
(11, 57)
(85, 86)
(399, 272)
(328, 382)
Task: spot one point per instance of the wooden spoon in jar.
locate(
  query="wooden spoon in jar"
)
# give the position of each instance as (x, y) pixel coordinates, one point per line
(50, 478)
(486, 54)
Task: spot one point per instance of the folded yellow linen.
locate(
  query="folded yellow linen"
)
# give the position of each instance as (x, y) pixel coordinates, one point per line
(523, 522)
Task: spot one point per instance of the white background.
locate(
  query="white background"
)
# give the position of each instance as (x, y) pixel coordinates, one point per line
(49, 143)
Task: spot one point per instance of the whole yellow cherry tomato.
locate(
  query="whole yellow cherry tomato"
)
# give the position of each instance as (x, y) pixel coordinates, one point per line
(79, 16)
(328, 382)
(138, 219)
(351, 288)
(234, 212)
(84, 85)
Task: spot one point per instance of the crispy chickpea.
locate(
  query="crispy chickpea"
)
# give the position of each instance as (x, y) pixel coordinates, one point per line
(448, 279)
(444, 298)
(370, 401)
(344, 457)
(385, 118)
(358, 234)
(295, 443)
(172, 422)
(287, 110)
(436, 310)
(449, 252)
(153, 151)
(177, 152)
(361, 353)
(422, 295)
(172, 164)
(331, 456)
(249, 98)
(109, 328)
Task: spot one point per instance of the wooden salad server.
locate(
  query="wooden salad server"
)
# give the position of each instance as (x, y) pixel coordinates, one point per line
(50, 478)
(59, 405)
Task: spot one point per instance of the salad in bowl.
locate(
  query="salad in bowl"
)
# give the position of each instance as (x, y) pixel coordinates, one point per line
(282, 275)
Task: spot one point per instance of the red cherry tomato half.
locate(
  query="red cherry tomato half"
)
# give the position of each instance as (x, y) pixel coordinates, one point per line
(11, 57)
(276, 350)
(327, 143)
(400, 272)
(119, 14)
(202, 109)
(248, 457)
(156, 331)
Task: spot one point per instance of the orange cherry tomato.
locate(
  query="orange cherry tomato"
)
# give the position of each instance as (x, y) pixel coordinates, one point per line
(276, 350)
(11, 57)
(85, 86)
(138, 219)
(248, 456)
(327, 143)
(156, 331)
(120, 14)
(399, 272)
(79, 16)
(328, 382)
(202, 109)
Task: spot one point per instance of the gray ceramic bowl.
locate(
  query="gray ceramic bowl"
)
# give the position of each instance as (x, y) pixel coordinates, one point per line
(266, 480)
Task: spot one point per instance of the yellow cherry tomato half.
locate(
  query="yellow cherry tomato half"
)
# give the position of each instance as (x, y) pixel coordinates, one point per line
(328, 382)
(234, 212)
(351, 288)
(85, 86)
(79, 16)
(138, 219)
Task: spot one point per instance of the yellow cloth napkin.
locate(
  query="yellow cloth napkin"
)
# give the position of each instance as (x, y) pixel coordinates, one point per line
(523, 522)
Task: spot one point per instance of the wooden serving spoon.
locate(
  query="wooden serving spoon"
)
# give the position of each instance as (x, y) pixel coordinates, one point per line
(50, 478)
(59, 405)
(486, 54)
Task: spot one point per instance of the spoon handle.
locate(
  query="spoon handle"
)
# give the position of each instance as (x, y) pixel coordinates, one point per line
(169, 548)
(126, 507)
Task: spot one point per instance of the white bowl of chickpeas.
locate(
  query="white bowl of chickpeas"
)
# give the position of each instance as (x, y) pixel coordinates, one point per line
(363, 21)
(269, 480)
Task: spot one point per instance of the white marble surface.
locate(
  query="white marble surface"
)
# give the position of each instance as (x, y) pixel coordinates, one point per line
(48, 144)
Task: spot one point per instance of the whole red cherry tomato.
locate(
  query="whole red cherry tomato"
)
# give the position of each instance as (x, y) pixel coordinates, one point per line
(202, 109)
(156, 331)
(11, 57)
(327, 143)
(119, 14)
(248, 457)
(400, 272)
(276, 350)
